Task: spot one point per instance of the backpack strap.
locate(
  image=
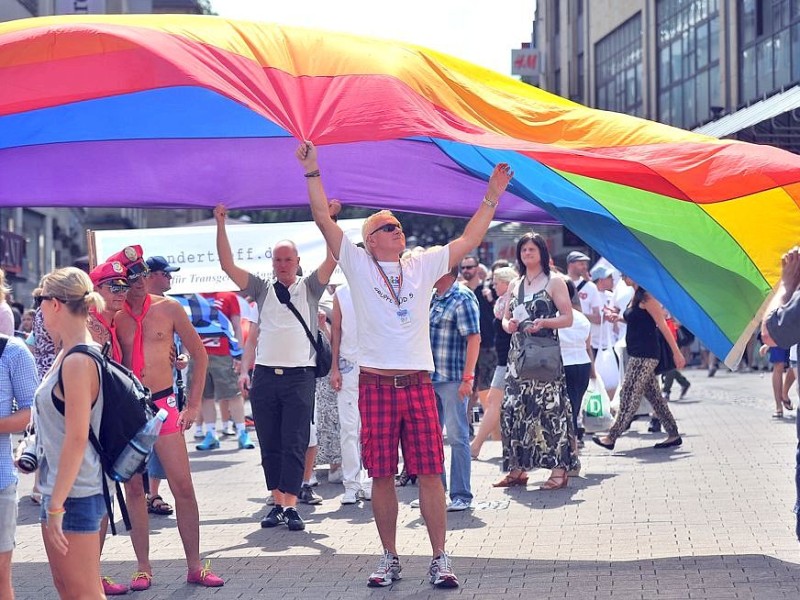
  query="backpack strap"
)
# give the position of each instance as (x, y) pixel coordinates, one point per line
(286, 301)
(579, 287)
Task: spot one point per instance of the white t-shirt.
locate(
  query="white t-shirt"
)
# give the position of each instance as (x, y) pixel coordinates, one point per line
(589, 296)
(620, 298)
(384, 341)
(348, 344)
(603, 333)
(573, 340)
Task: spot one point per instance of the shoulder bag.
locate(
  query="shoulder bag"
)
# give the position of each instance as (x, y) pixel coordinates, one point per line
(538, 357)
(321, 345)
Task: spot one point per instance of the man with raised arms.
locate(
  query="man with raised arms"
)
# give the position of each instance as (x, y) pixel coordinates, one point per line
(391, 298)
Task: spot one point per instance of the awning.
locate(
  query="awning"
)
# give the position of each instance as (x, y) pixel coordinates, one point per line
(762, 110)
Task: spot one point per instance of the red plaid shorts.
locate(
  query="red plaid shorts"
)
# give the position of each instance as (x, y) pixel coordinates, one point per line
(407, 415)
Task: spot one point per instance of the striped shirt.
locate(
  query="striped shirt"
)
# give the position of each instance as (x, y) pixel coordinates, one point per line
(453, 316)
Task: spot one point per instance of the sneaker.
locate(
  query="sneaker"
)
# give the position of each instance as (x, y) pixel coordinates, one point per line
(274, 518)
(245, 443)
(309, 496)
(205, 577)
(270, 500)
(655, 426)
(414, 503)
(388, 570)
(366, 492)
(313, 482)
(210, 442)
(335, 476)
(198, 434)
(458, 505)
(441, 572)
(351, 496)
(113, 589)
(685, 388)
(229, 429)
(141, 581)
(293, 520)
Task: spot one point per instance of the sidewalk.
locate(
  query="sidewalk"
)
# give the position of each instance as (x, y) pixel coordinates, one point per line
(711, 519)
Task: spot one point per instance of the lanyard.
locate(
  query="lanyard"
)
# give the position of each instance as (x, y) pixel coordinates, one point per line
(395, 296)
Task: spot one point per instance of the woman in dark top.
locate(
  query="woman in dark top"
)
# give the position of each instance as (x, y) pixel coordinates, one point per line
(645, 318)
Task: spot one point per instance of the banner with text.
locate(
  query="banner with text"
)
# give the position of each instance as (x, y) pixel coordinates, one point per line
(194, 250)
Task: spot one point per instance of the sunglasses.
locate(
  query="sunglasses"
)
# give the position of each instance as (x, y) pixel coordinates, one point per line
(37, 300)
(465, 267)
(117, 289)
(388, 228)
(135, 276)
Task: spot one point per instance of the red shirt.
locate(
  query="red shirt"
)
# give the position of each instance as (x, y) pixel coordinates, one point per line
(228, 305)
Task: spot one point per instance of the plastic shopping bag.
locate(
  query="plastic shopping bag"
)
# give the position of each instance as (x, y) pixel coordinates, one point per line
(606, 366)
(596, 407)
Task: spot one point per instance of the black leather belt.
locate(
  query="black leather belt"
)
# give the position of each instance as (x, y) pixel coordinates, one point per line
(285, 370)
(397, 381)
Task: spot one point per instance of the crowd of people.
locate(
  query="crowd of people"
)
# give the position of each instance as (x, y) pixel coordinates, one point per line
(517, 341)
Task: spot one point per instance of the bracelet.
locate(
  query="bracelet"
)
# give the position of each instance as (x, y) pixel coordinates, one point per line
(466, 378)
(58, 511)
(314, 173)
(489, 203)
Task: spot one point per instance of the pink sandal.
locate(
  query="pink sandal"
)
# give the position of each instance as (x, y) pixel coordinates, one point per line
(141, 581)
(205, 577)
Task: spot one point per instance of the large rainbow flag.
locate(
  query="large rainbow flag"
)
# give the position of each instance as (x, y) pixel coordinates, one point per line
(172, 111)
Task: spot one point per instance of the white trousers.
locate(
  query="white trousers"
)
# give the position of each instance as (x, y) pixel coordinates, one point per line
(353, 476)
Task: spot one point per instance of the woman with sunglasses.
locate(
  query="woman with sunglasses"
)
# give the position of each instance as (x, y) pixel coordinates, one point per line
(70, 473)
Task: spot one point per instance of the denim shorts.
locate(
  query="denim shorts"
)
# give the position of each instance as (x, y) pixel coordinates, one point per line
(8, 517)
(155, 470)
(499, 378)
(83, 514)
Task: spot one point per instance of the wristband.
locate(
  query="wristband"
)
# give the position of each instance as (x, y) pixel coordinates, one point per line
(314, 173)
(489, 203)
(467, 378)
(58, 511)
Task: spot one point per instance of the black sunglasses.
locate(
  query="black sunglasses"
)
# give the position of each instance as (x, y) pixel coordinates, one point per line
(465, 267)
(388, 228)
(116, 289)
(37, 300)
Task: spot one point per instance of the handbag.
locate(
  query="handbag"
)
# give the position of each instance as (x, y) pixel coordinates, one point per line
(538, 357)
(666, 362)
(321, 345)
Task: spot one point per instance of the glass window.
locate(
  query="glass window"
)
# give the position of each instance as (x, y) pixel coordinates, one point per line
(713, 26)
(702, 45)
(781, 59)
(747, 19)
(764, 67)
(748, 74)
(796, 52)
(618, 68)
(703, 101)
(715, 86)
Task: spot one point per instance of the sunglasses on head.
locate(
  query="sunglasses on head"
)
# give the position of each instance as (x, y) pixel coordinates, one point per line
(388, 228)
(116, 289)
(37, 300)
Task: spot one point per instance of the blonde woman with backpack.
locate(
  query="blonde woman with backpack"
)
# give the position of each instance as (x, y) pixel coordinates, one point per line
(70, 472)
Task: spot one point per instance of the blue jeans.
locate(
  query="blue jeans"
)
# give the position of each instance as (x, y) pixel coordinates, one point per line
(453, 417)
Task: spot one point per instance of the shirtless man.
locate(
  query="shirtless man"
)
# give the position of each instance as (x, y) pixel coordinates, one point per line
(151, 322)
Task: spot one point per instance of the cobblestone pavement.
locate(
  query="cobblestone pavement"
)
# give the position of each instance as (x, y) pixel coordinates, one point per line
(711, 519)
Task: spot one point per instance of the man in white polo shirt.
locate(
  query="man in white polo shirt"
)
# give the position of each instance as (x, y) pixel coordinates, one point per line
(391, 298)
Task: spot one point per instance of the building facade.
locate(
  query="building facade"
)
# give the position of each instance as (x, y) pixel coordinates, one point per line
(33, 241)
(687, 63)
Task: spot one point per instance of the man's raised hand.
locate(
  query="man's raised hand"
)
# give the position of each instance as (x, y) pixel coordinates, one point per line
(307, 155)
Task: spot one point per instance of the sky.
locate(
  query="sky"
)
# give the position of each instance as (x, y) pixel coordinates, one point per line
(480, 32)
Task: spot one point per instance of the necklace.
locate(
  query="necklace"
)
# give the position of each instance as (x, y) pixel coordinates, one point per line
(530, 280)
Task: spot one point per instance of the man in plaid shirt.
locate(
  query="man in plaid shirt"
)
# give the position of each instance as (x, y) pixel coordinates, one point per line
(455, 341)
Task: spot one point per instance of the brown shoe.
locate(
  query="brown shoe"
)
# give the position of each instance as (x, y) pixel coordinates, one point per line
(510, 480)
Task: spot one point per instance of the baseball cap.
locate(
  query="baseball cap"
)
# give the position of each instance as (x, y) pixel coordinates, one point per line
(109, 272)
(159, 263)
(601, 272)
(131, 258)
(576, 256)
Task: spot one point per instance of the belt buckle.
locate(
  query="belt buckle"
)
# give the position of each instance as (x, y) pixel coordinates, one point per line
(401, 381)
(278, 371)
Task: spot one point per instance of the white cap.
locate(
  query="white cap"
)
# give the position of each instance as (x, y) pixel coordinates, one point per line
(162, 415)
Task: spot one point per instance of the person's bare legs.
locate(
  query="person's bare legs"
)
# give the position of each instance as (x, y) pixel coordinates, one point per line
(432, 506)
(140, 523)
(384, 508)
(788, 382)
(311, 458)
(490, 425)
(76, 574)
(6, 589)
(172, 452)
(209, 410)
(777, 386)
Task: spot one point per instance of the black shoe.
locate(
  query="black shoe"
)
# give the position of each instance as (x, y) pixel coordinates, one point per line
(676, 442)
(275, 517)
(309, 496)
(655, 426)
(597, 441)
(293, 520)
(712, 371)
(685, 388)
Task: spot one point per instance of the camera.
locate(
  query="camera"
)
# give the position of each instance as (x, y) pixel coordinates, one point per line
(25, 455)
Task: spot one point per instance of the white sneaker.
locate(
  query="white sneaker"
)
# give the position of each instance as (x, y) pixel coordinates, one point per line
(458, 505)
(335, 476)
(367, 493)
(351, 496)
(414, 503)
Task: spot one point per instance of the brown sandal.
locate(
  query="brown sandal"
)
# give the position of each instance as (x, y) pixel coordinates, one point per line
(555, 482)
(510, 480)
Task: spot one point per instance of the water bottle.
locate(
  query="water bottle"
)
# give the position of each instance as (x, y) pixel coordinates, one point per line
(130, 461)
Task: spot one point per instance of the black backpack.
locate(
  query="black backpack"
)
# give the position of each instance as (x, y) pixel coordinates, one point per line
(127, 406)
